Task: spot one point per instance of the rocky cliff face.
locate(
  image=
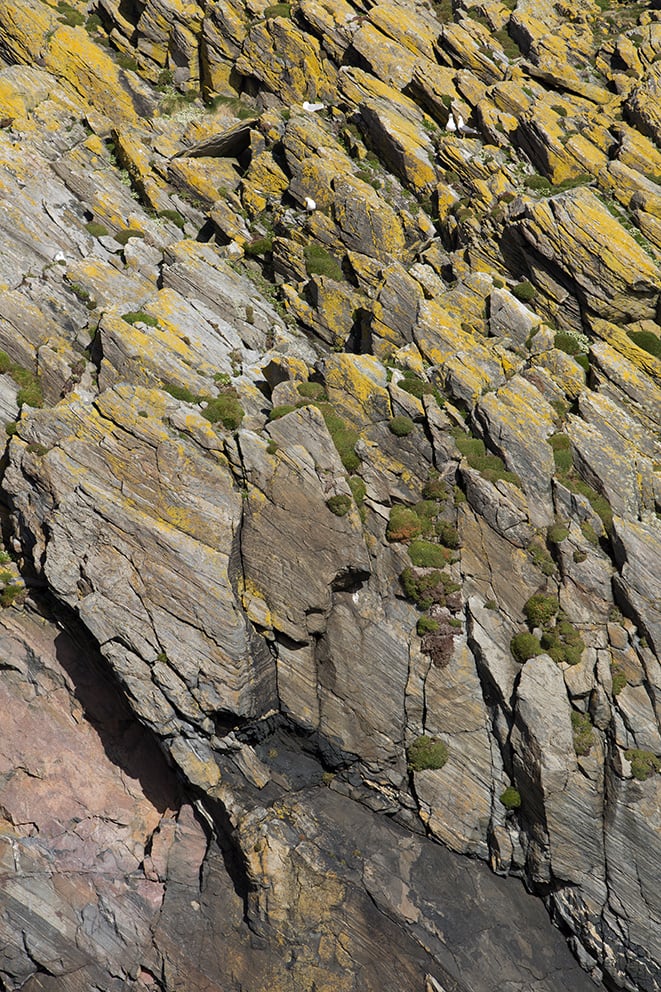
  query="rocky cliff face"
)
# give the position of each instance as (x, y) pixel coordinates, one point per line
(330, 350)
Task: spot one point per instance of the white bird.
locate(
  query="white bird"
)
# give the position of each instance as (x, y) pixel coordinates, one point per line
(312, 107)
(59, 256)
(451, 126)
(310, 204)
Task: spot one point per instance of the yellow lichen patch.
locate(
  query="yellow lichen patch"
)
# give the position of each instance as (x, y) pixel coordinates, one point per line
(203, 178)
(263, 179)
(25, 25)
(356, 386)
(72, 56)
(407, 26)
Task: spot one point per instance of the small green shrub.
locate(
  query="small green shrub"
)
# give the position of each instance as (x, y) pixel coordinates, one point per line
(619, 679)
(272, 447)
(539, 610)
(647, 341)
(124, 236)
(281, 411)
(424, 554)
(320, 262)
(557, 533)
(311, 390)
(524, 291)
(579, 556)
(339, 505)
(562, 452)
(96, 230)
(436, 490)
(278, 10)
(80, 292)
(491, 466)
(140, 317)
(447, 534)
(511, 798)
(426, 625)
(174, 217)
(126, 61)
(644, 764)
(589, 533)
(541, 558)
(427, 753)
(582, 731)
(69, 15)
(258, 248)
(424, 590)
(563, 643)
(225, 409)
(10, 594)
(401, 426)
(181, 393)
(524, 646)
(403, 524)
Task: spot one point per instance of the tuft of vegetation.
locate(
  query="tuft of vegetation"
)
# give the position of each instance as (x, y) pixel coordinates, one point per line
(541, 558)
(181, 393)
(557, 533)
(401, 426)
(344, 438)
(424, 590)
(582, 730)
(125, 235)
(644, 764)
(524, 291)
(29, 387)
(278, 10)
(424, 554)
(225, 409)
(311, 391)
(619, 679)
(563, 643)
(435, 489)
(426, 625)
(510, 798)
(69, 15)
(647, 341)
(491, 466)
(281, 411)
(524, 646)
(540, 609)
(427, 753)
(320, 262)
(96, 230)
(140, 317)
(562, 453)
(339, 505)
(258, 248)
(174, 217)
(403, 524)
(447, 534)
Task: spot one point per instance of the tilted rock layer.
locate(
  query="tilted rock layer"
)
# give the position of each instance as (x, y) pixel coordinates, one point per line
(330, 359)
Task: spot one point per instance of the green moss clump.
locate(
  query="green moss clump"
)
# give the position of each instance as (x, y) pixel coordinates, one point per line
(524, 291)
(69, 15)
(320, 262)
(225, 409)
(491, 466)
(557, 533)
(140, 317)
(123, 237)
(524, 646)
(619, 679)
(562, 453)
(403, 524)
(344, 438)
(174, 216)
(539, 610)
(424, 554)
(181, 393)
(426, 625)
(260, 247)
(29, 392)
(423, 590)
(311, 390)
(447, 534)
(281, 411)
(427, 753)
(582, 731)
(436, 490)
(541, 558)
(510, 798)
(647, 341)
(563, 643)
(339, 505)
(401, 426)
(644, 764)
(96, 230)
(278, 10)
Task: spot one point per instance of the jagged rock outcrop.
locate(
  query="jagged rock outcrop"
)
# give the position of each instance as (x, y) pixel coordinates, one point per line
(330, 363)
